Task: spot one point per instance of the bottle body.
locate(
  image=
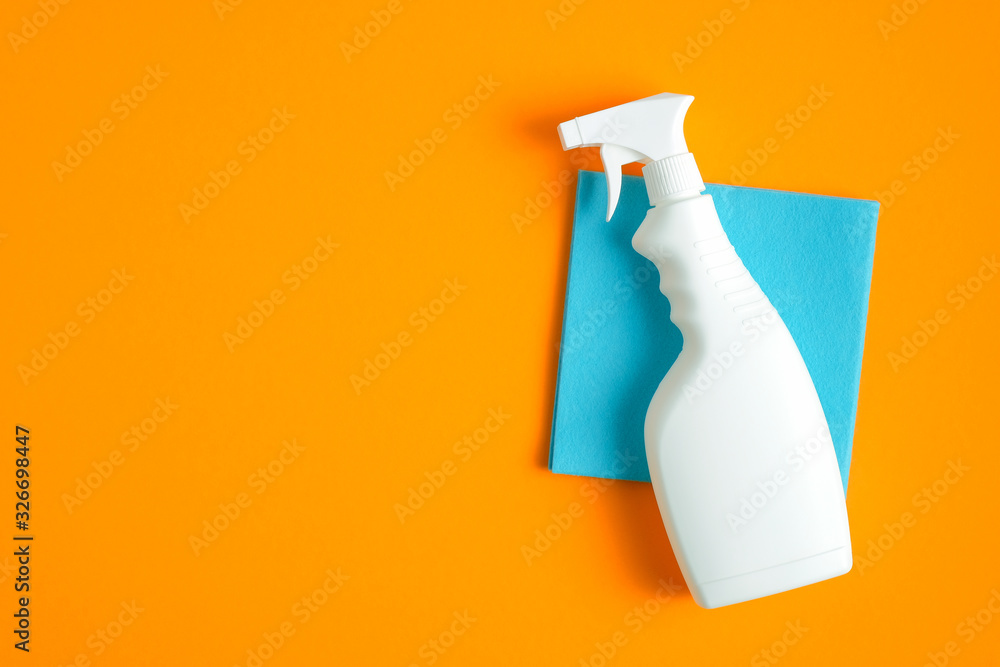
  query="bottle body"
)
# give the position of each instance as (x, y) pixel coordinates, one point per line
(740, 455)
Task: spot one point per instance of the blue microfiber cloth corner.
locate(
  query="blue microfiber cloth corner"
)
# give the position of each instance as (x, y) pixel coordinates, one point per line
(812, 255)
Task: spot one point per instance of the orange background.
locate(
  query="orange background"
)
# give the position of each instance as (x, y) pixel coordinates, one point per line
(162, 336)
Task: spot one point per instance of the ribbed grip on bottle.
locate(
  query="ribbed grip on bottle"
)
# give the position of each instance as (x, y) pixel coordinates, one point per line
(671, 175)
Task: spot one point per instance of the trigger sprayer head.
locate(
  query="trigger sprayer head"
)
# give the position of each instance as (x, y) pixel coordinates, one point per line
(651, 131)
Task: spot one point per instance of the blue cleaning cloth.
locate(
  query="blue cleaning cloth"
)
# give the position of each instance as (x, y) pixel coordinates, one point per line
(812, 255)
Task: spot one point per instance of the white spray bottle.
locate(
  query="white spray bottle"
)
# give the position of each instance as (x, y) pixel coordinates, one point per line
(739, 452)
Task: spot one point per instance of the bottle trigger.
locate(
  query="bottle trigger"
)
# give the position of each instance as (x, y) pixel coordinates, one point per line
(614, 158)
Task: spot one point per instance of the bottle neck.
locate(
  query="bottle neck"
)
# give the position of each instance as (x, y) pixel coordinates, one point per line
(679, 197)
(672, 178)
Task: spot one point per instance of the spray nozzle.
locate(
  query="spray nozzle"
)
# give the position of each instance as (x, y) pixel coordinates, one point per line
(648, 131)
